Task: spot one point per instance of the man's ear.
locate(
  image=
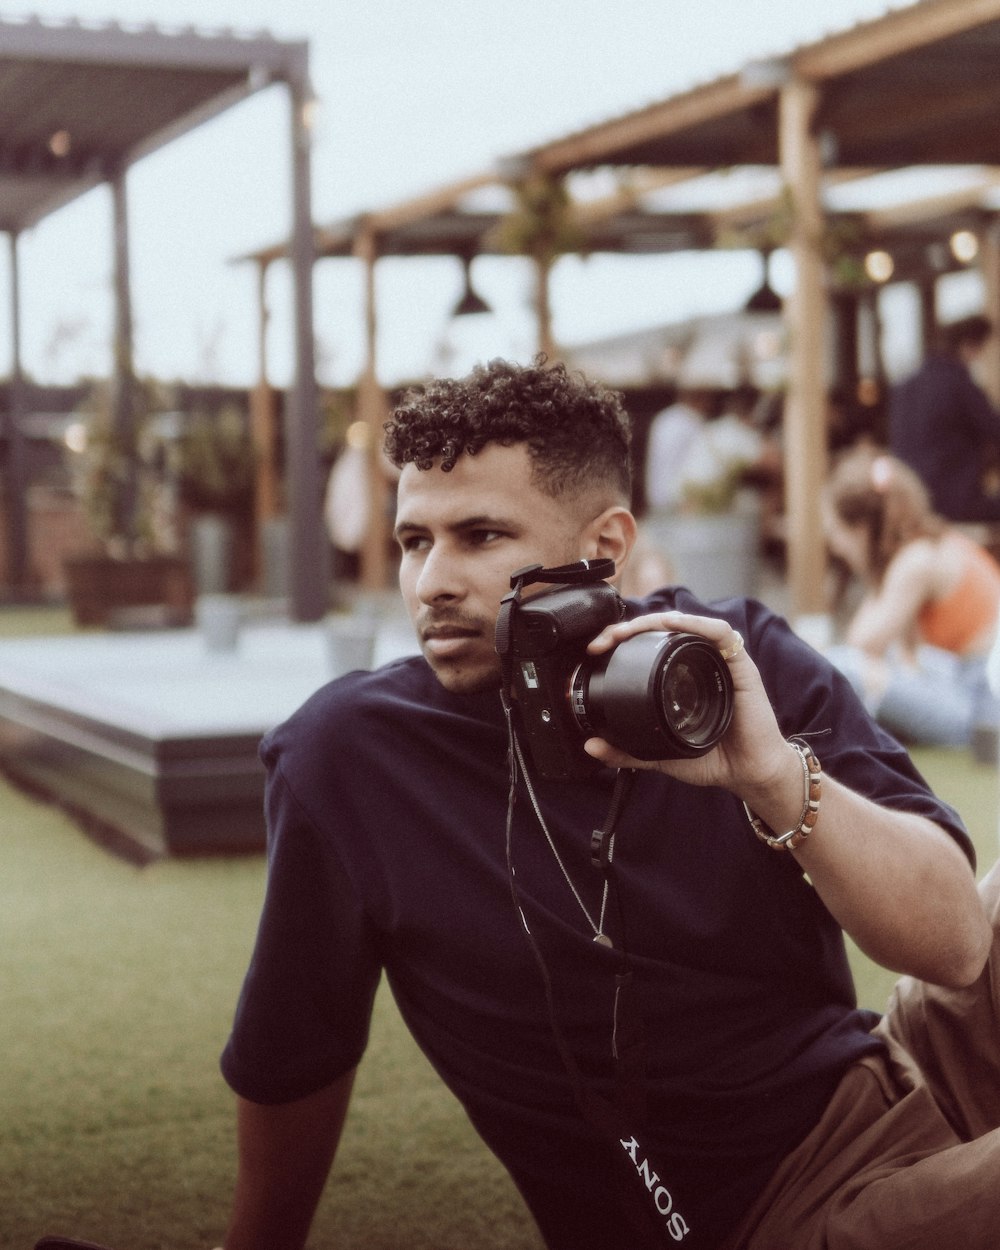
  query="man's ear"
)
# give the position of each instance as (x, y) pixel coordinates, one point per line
(610, 536)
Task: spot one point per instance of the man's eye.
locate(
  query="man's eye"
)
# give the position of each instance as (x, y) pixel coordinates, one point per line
(415, 542)
(485, 536)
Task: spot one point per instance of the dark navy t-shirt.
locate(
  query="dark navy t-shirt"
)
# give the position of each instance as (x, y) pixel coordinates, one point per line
(387, 804)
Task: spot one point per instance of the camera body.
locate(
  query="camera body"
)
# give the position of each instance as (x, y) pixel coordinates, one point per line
(657, 695)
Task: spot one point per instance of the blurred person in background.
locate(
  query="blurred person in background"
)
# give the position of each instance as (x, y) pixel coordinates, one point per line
(944, 426)
(915, 648)
(674, 435)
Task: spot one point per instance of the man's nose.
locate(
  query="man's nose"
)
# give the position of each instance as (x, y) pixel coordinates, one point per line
(439, 578)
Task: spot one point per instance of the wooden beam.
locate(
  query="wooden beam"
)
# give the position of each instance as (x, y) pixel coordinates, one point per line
(727, 96)
(421, 206)
(913, 120)
(752, 212)
(906, 30)
(805, 398)
(643, 182)
(930, 208)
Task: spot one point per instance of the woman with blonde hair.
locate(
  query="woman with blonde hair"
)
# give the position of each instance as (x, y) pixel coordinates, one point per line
(916, 647)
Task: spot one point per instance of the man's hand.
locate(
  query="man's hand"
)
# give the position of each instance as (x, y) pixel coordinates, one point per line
(894, 880)
(752, 753)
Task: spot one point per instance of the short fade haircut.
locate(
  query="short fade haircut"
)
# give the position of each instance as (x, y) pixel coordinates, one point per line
(577, 432)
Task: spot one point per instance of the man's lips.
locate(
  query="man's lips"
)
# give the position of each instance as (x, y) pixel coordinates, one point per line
(444, 637)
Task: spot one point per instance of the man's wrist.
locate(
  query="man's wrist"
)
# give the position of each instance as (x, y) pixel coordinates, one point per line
(784, 831)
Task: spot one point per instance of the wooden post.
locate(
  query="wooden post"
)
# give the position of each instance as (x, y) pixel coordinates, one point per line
(805, 401)
(308, 564)
(268, 503)
(989, 263)
(15, 473)
(123, 368)
(543, 305)
(373, 410)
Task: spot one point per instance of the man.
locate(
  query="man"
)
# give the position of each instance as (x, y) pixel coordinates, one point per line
(675, 435)
(390, 849)
(944, 426)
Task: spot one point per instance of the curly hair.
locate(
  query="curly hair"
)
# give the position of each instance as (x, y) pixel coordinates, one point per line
(577, 432)
(869, 488)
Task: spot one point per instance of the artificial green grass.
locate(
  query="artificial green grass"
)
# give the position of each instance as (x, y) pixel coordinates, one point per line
(972, 788)
(117, 986)
(36, 620)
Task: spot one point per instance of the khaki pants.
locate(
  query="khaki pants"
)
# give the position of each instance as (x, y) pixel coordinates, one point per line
(907, 1154)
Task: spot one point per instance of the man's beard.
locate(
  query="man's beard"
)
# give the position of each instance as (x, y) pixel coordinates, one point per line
(475, 666)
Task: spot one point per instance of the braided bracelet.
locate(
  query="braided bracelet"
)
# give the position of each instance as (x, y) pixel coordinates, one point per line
(812, 774)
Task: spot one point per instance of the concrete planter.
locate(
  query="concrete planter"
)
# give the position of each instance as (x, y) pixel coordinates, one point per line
(103, 590)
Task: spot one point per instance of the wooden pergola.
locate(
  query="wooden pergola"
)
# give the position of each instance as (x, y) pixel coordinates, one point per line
(916, 88)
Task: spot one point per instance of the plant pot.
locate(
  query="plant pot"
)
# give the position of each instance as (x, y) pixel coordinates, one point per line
(105, 591)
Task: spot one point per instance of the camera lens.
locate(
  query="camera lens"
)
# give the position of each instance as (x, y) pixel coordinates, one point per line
(689, 693)
(657, 695)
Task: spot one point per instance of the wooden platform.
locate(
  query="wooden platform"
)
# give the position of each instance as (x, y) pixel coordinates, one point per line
(150, 739)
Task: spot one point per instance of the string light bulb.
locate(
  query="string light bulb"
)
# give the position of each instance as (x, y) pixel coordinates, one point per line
(879, 266)
(964, 246)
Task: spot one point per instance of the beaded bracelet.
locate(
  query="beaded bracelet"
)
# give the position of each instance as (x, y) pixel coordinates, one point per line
(812, 774)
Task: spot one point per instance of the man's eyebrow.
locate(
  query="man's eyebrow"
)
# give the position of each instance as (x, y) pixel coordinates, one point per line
(406, 526)
(481, 520)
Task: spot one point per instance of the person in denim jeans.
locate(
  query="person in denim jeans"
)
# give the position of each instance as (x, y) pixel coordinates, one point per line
(916, 646)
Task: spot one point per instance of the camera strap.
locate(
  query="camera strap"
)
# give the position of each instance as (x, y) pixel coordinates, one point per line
(579, 573)
(646, 1200)
(619, 1119)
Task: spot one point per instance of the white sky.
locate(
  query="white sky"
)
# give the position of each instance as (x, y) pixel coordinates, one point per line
(413, 93)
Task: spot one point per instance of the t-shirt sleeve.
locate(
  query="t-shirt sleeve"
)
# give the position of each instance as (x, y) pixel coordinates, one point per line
(304, 1011)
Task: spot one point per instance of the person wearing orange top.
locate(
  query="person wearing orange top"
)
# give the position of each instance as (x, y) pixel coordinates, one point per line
(916, 647)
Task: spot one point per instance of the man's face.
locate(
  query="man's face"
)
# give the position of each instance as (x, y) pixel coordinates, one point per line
(462, 534)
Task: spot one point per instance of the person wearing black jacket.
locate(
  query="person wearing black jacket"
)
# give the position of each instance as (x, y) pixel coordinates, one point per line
(944, 426)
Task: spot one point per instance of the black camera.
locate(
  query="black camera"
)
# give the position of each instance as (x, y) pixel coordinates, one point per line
(657, 695)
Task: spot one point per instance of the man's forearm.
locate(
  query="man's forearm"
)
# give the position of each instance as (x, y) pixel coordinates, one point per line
(899, 886)
(285, 1154)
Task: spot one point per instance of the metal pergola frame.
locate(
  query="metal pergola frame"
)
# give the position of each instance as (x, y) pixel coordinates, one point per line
(79, 105)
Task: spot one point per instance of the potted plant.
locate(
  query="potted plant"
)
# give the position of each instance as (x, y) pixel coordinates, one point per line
(128, 571)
